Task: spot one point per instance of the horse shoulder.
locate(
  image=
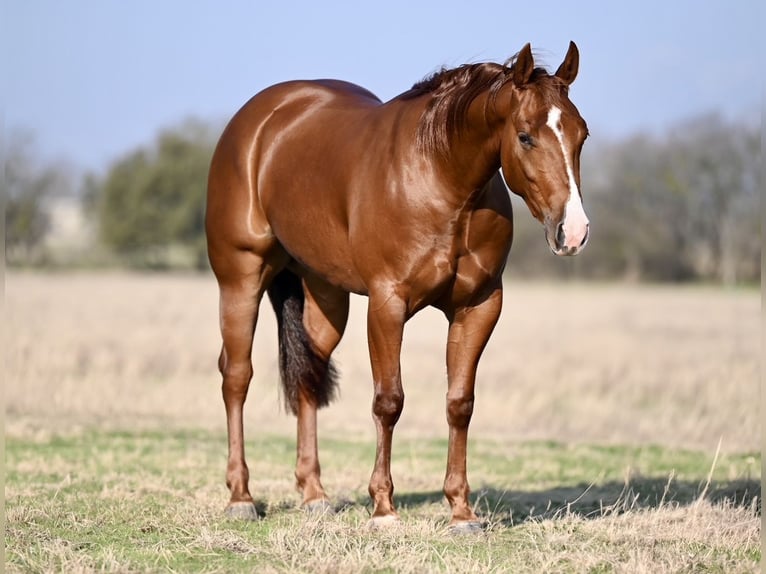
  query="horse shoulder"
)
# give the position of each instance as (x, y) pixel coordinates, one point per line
(486, 242)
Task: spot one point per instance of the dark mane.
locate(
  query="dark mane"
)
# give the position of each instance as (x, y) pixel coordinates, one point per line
(453, 90)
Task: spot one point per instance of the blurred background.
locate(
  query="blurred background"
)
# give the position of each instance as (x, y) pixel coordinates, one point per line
(112, 110)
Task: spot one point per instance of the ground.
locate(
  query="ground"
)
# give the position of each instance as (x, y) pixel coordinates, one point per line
(617, 429)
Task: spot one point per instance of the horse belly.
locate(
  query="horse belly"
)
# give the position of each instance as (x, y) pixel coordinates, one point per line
(327, 259)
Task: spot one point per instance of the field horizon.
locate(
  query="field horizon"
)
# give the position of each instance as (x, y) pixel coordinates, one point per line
(606, 363)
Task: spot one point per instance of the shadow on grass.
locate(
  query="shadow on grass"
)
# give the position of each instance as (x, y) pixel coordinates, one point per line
(593, 501)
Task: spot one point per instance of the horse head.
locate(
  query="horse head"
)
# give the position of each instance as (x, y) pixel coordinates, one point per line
(542, 138)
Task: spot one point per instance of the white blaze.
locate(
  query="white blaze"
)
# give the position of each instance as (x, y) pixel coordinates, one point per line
(575, 220)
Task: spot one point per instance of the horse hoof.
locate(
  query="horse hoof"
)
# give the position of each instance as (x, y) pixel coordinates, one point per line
(384, 522)
(470, 528)
(318, 507)
(242, 511)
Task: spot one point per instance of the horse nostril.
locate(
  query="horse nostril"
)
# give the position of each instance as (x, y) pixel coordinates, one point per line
(560, 236)
(585, 237)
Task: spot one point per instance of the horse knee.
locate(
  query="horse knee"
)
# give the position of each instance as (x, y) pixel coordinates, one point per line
(459, 411)
(387, 406)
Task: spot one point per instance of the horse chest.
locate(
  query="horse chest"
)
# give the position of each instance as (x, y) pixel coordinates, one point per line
(452, 269)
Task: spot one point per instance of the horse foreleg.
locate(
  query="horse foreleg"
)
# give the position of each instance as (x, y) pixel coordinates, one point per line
(469, 332)
(325, 314)
(385, 324)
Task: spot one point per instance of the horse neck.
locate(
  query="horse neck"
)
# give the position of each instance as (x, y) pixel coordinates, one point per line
(474, 156)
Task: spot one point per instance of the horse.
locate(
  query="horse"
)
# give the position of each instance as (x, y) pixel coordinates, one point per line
(318, 189)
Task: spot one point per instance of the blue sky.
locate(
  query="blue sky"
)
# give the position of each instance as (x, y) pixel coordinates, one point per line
(93, 79)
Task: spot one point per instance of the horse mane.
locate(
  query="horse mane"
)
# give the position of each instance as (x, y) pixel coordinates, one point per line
(453, 90)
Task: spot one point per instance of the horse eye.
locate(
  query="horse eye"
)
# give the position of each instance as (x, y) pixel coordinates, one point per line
(525, 139)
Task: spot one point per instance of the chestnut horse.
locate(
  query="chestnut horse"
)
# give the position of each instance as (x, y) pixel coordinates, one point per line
(317, 189)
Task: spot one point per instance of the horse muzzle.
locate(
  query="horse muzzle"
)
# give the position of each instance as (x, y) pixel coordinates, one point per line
(567, 240)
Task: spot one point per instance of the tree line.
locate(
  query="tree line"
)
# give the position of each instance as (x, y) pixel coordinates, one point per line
(680, 206)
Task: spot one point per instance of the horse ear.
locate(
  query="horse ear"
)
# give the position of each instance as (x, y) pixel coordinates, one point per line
(567, 71)
(523, 66)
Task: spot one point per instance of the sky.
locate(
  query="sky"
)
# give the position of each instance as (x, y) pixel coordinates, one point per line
(92, 80)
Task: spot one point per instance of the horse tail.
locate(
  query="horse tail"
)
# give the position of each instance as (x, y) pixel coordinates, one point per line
(300, 365)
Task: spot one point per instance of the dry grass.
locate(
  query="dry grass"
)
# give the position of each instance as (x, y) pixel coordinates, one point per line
(612, 363)
(628, 543)
(151, 501)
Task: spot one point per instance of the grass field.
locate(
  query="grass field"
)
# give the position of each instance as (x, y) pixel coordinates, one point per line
(594, 443)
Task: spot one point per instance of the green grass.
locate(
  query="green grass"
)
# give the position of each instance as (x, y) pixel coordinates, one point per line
(152, 502)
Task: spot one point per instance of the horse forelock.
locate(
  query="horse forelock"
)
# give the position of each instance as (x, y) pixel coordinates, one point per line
(453, 90)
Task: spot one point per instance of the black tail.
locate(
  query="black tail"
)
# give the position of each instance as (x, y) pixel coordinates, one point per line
(300, 366)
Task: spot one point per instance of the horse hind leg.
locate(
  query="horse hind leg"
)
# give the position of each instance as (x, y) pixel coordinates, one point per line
(312, 317)
(241, 280)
